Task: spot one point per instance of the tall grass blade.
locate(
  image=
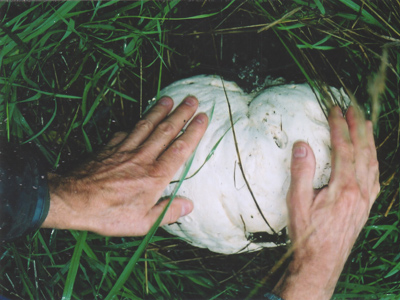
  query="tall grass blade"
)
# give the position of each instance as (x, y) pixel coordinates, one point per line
(367, 17)
(45, 126)
(73, 270)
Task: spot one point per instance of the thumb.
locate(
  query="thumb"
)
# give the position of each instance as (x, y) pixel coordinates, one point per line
(179, 207)
(302, 171)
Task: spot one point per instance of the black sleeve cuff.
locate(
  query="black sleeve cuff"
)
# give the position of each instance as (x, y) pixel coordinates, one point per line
(25, 199)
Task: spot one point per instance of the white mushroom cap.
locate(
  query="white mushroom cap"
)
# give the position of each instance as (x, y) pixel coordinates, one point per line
(225, 218)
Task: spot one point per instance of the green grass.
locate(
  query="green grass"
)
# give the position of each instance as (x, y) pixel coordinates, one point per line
(72, 73)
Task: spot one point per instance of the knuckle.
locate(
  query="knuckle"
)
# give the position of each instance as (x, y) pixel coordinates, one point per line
(172, 215)
(356, 195)
(345, 151)
(366, 151)
(344, 146)
(158, 171)
(145, 125)
(353, 191)
(168, 218)
(167, 128)
(180, 147)
(374, 165)
(302, 167)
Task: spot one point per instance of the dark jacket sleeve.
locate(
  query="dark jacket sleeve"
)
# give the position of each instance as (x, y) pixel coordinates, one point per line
(24, 193)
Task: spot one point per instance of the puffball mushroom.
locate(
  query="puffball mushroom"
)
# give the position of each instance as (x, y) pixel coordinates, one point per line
(230, 215)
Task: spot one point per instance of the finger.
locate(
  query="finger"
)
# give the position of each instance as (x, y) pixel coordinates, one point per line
(357, 126)
(366, 164)
(361, 131)
(146, 126)
(167, 130)
(179, 207)
(117, 138)
(342, 155)
(111, 147)
(302, 170)
(179, 151)
(371, 139)
(373, 165)
(363, 152)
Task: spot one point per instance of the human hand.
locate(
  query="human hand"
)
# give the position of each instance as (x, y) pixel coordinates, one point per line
(324, 224)
(118, 193)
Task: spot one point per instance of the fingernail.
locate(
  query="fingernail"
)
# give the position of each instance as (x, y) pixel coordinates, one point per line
(165, 101)
(201, 118)
(190, 101)
(299, 152)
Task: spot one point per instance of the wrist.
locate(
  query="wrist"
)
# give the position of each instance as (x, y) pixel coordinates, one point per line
(62, 214)
(307, 280)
